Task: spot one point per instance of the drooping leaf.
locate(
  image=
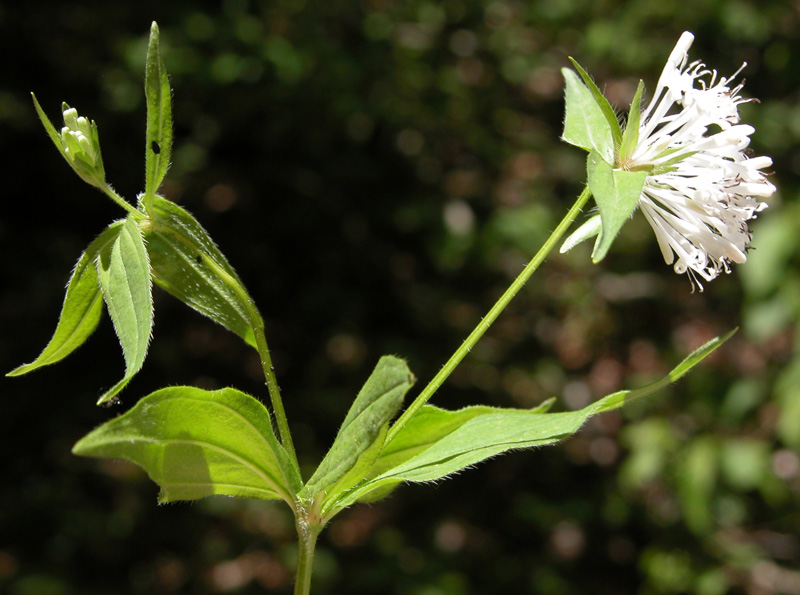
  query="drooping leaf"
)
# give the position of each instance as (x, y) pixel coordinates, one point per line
(616, 193)
(123, 270)
(83, 305)
(195, 443)
(175, 241)
(158, 147)
(360, 438)
(586, 123)
(441, 443)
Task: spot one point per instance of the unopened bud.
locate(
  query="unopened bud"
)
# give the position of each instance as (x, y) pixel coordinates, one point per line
(81, 147)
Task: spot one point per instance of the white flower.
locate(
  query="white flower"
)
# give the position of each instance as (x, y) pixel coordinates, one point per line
(703, 187)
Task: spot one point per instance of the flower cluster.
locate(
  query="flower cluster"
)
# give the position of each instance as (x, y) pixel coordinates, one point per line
(702, 186)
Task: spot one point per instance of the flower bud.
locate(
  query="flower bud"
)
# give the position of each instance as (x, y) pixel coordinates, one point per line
(81, 147)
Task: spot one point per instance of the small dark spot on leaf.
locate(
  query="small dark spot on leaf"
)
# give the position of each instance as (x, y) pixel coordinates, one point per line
(155, 147)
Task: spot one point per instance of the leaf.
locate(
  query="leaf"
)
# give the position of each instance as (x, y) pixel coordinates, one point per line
(124, 274)
(158, 146)
(363, 432)
(175, 240)
(616, 193)
(630, 137)
(586, 122)
(618, 399)
(83, 305)
(195, 443)
(437, 443)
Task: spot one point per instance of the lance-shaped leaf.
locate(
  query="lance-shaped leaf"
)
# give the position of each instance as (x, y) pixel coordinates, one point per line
(441, 443)
(177, 244)
(158, 95)
(585, 123)
(363, 432)
(195, 443)
(83, 305)
(616, 192)
(123, 270)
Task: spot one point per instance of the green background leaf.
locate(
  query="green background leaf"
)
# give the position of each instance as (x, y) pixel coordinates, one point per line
(195, 443)
(123, 270)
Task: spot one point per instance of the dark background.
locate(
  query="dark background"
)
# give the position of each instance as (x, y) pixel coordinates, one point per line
(378, 172)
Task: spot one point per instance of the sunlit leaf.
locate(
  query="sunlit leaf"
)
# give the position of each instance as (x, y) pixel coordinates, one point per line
(83, 305)
(175, 242)
(441, 443)
(195, 443)
(123, 270)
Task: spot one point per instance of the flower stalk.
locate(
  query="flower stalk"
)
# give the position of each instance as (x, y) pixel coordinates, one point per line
(491, 316)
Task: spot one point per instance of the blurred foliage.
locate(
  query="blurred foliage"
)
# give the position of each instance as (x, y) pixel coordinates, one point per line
(378, 172)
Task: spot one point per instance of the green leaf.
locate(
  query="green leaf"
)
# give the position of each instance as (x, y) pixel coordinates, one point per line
(590, 121)
(437, 443)
(83, 305)
(175, 242)
(616, 193)
(158, 147)
(124, 274)
(618, 399)
(195, 443)
(630, 137)
(362, 434)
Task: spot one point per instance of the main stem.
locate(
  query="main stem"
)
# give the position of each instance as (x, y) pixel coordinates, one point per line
(306, 542)
(257, 324)
(491, 316)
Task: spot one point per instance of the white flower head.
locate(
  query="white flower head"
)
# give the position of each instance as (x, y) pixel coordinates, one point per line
(702, 186)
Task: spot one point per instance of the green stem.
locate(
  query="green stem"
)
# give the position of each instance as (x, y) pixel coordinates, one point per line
(307, 541)
(257, 324)
(111, 193)
(491, 316)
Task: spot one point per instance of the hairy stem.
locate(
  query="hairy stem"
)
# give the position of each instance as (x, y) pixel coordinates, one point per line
(306, 541)
(257, 324)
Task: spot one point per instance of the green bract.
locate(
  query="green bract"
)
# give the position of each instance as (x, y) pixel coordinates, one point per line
(591, 124)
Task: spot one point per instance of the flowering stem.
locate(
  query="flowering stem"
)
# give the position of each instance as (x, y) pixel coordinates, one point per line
(491, 316)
